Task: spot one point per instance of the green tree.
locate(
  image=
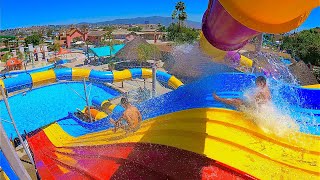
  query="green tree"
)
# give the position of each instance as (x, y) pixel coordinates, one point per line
(110, 41)
(305, 45)
(20, 55)
(147, 52)
(179, 13)
(182, 35)
(5, 57)
(109, 28)
(34, 39)
(49, 33)
(55, 47)
(162, 29)
(135, 29)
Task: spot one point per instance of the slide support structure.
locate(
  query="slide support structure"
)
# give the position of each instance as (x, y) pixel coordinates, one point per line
(154, 78)
(11, 156)
(87, 99)
(15, 127)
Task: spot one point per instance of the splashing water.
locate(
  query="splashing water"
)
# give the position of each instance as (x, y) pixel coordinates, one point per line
(285, 114)
(268, 117)
(276, 69)
(188, 61)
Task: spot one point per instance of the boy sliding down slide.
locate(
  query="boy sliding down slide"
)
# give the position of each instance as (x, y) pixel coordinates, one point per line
(262, 96)
(261, 110)
(130, 120)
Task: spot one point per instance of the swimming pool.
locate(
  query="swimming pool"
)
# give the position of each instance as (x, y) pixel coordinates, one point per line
(47, 104)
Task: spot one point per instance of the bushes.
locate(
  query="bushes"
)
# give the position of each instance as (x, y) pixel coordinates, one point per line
(182, 34)
(305, 45)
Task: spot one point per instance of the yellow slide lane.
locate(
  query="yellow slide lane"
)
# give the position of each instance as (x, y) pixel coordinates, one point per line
(220, 134)
(314, 86)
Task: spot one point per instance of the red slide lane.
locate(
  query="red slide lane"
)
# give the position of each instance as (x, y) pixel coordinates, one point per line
(125, 161)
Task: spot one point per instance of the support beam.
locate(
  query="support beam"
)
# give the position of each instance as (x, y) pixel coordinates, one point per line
(11, 155)
(154, 79)
(87, 98)
(26, 149)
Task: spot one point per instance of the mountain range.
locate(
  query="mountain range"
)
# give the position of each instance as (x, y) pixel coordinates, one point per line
(166, 21)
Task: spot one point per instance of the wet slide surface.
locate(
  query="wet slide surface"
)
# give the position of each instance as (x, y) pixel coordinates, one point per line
(125, 161)
(183, 119)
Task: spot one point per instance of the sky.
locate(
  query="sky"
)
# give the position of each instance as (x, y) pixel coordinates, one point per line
(22, 13)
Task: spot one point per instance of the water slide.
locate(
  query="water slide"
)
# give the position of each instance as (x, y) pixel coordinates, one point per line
(28, 81)
(185, 134)
(233, 146)
(7, 172)
(229, 24)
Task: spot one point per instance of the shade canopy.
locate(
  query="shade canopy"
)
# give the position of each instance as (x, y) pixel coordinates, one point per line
(129, 51)
(13, 62)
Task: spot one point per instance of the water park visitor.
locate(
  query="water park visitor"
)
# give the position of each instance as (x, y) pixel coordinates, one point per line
(261, 96)
(130, 120)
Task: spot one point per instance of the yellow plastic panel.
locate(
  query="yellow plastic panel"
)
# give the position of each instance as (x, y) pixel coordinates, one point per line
(146, 73)
(119, 76)
(5, 176)
(217, 54)
(105, 101)
(100, 115)
(1, 84)
(272, 16)
(244, 61)
(220, 134)
(42, 78)
(111, 107)
(174, 82)
(314, 86)
(78, 74)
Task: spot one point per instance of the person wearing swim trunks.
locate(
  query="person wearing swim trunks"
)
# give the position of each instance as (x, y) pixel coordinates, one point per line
(262, 95)
(130, 120)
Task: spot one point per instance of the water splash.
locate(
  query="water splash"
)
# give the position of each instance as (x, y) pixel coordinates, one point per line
(189, 63)
(286, 110)
(268, 117)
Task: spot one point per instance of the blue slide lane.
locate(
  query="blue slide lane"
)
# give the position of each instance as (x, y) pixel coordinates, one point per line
(7, 168)
(199, 95)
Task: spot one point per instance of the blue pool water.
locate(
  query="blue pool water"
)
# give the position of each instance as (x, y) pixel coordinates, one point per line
(47, 104)
(105, 50)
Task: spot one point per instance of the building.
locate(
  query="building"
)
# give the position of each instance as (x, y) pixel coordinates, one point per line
(65, 38)
(96, 37)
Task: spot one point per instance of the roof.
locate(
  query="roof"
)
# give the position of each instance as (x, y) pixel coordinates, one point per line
(129, 51)
(96, 33)
(120, 32)
(105, 50)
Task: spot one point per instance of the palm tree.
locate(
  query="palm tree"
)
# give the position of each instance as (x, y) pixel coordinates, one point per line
(179, 11)
(108, 38)
(174, 15)
(182, 17)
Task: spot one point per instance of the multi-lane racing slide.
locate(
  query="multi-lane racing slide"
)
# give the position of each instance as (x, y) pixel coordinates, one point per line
(184, 134)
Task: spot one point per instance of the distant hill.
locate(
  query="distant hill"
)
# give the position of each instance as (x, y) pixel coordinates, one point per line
(166, 21)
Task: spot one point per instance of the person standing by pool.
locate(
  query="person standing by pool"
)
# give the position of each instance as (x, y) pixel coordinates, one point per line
(131, 118)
